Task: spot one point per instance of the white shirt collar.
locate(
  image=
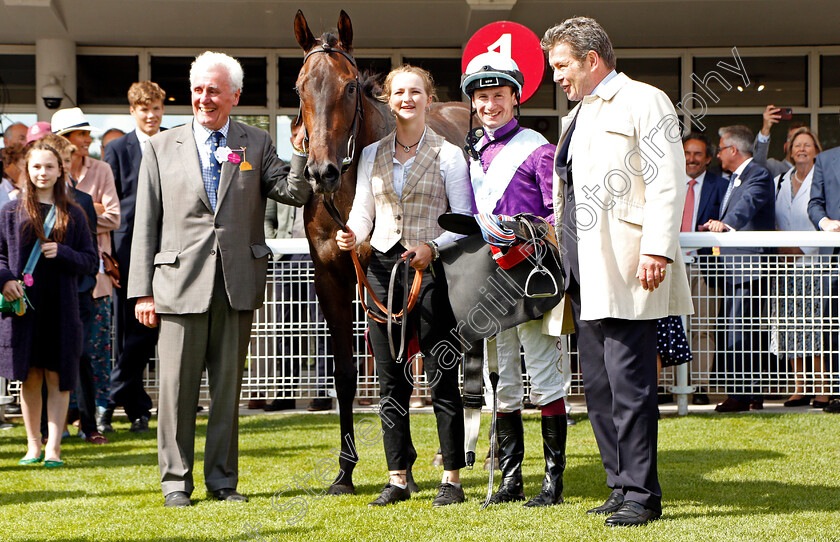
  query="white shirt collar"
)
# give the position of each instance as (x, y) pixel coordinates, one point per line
(202, 134)
(700, 178)
(603, 83)
(742, 167)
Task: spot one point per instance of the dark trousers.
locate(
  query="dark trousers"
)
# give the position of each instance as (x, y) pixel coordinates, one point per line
(743, 359)
(618, 361)
(134, 348)
(431, 320)
(297, 305)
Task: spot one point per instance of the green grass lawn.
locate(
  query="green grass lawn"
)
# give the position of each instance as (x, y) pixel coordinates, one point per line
(741, 477)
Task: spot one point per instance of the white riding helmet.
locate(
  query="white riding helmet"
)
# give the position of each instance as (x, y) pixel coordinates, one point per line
(492, 70)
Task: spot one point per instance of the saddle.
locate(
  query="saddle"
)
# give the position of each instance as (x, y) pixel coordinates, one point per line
(493, 287)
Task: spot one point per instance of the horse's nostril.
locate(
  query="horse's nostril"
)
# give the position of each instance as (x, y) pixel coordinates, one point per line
(307, 173)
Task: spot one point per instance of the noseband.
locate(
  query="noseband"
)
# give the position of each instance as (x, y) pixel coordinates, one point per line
(358, 115)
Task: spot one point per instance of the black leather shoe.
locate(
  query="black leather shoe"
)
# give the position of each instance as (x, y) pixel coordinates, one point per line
(732, 405)
(611, 505)
(177, 499)
(833, 407)
(448, 494)
(391, 494)
(320, 404)
(802, 401)
(140, 425)
(700, 399)
(229, 495)
(280, 404)
(819, 404)
(632, 513)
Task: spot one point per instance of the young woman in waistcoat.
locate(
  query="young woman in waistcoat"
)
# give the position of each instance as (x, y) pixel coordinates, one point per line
(405, 182)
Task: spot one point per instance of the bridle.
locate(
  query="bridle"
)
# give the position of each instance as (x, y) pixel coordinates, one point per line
(358, 114)
(384, 314)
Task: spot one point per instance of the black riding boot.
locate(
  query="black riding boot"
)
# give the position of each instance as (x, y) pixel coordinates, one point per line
(554, 448)
(511, 438)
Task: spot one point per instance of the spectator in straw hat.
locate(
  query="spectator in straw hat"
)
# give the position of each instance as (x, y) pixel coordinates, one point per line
(95, 178)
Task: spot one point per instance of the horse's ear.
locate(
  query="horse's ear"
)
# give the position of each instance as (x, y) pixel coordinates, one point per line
(302, 33)
(345, 31)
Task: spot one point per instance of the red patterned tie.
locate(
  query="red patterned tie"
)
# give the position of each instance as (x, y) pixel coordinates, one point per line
(688, 210)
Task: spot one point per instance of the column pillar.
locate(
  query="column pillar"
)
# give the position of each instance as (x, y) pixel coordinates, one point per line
(55, 58)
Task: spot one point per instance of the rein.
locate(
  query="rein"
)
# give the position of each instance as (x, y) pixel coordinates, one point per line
(358, 115)
(385, 314)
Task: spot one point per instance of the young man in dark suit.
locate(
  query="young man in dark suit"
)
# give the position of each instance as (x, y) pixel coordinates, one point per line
(748, 205)
(135, 343)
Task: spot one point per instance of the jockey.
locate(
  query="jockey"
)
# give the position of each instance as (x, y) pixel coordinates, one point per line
(511, 172)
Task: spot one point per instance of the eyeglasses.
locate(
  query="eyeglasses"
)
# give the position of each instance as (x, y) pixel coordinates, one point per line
(720, 149)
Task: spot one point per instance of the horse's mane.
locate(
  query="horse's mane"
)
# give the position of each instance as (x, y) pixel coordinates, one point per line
(368, 79)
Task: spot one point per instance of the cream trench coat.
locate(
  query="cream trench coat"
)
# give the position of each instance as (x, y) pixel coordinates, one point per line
(629, 169)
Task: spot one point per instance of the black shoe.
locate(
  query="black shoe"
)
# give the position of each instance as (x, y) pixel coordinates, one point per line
(103, 421)
(391, 494)
(511, 439)
(732, 405)
(610, 506)
(140, 425)
(632, 513)
(177, 499)
(700, 399)
(319, 404)
(554, 449)
(833, 407)
(280, 404)
(819, 404)
(448, 494)
(229, 495)
(802, 401)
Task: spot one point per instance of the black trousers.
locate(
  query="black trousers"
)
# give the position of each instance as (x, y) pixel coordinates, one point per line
(618, 361)
(744, 357)
(134, 348)
(291, 347)
(431, 320)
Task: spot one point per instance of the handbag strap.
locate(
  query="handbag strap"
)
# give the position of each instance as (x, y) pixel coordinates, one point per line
(49, 222)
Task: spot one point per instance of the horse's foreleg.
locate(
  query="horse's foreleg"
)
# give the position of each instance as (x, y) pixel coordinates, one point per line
(336, 298)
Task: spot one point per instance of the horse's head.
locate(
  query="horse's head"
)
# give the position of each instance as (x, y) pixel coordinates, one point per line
(330, 102)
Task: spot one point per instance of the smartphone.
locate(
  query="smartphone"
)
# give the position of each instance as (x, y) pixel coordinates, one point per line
(786, 113)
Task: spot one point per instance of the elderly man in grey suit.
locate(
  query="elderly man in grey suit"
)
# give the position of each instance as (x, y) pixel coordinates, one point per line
(198, 267)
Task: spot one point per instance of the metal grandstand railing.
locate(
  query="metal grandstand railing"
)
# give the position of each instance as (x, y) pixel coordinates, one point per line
(786, 341)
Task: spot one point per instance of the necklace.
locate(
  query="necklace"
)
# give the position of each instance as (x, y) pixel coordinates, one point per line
(406, 148)
(796, 177)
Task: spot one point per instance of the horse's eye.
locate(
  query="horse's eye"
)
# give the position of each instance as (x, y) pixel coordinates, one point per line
(351, 89)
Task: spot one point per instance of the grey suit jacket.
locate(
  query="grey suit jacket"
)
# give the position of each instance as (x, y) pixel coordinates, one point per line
(177, 237)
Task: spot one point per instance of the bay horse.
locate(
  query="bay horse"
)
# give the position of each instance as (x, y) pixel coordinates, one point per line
(341, 115)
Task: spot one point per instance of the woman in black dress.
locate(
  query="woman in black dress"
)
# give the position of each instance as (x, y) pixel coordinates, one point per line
(45, 343)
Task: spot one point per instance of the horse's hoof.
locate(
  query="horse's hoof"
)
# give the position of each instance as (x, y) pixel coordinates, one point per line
(341, 489)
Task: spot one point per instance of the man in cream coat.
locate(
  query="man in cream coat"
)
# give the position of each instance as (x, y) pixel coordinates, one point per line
(198, 266)
(619, 192)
